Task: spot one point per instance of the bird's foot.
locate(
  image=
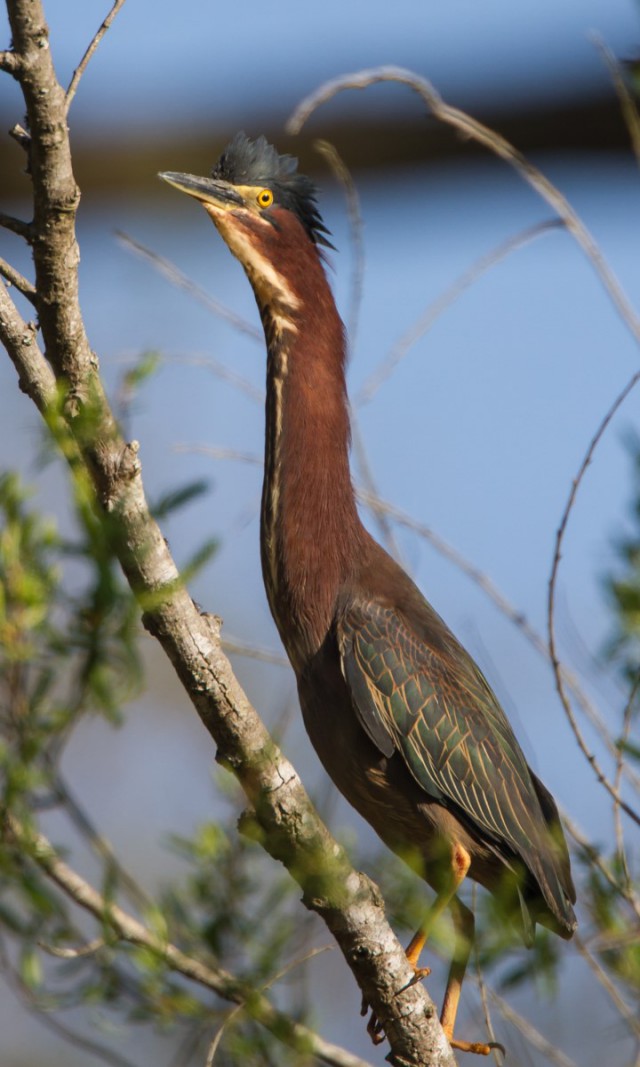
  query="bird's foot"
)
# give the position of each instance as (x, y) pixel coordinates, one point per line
(479, 1048)
(375, 1029)
(420, 973)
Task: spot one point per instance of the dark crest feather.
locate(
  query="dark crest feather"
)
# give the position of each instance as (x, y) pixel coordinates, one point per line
(247, 162)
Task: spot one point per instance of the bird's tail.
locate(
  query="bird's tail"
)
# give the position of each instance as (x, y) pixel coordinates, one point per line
(552, 871)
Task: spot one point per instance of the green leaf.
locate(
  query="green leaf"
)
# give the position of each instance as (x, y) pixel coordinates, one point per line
(199, 560)
(178, 498)
(31, 967)
(145, 368)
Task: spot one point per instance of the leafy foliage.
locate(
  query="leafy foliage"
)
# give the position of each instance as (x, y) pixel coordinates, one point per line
(68, 648)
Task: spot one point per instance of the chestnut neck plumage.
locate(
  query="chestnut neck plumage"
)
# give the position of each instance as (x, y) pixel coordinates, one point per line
(311, 534)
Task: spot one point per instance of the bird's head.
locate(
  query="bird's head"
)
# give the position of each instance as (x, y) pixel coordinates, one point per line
(265, 211)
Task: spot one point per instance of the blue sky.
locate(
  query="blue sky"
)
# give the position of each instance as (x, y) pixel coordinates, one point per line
(179, 61)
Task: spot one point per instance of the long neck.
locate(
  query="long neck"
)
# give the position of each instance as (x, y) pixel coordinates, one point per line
(310, 530)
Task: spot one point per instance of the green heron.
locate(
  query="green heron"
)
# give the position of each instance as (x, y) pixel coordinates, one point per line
(399, 714)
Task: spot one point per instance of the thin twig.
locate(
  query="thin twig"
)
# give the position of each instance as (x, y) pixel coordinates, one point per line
(181, 281)
(477, 131)
(63, 953)
(628, 1014)
(100, 845)
(14, 277)
(219, 1034)
(36, 378)
(264, 655)
(18, 226)
(380, 514)
(553, 579)
(625, 891)
(426, 321)
(627, 103)
(220, 371)
(221, 452)
(498, 1054)
(344, 176)
(217, 1038)
(186, 1049)
(82, 66)
(530, 1033)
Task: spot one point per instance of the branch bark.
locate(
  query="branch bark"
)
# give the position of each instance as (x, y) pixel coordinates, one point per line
(280, 811)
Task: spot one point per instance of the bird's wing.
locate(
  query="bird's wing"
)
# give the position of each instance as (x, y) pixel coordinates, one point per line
(430, 702)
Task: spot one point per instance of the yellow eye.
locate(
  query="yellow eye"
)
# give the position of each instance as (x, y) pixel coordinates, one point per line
(265, 198)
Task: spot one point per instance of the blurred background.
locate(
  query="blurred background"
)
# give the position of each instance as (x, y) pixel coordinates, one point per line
(477, 433)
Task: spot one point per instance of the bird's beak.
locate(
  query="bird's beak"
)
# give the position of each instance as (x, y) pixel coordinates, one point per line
(206, 190)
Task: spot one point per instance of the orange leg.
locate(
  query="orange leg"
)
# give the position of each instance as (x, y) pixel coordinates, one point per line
(464, 927)
(459, 866)
(413, 950)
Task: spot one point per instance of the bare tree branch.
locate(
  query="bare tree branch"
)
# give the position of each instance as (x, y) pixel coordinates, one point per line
(497, 144)
(627, 103)
(14, 277)
(553, 579)
(18, 226)
(624, 890)
(10, 62)
(62, 953)
(169, 270)
(220, 371)
(55, 201)
(530, 1033)
(628, 1013)
(264, 655)
(344, 176)
(35, 376)
(82, 66)
(98, 843)
(221, 452)
(422, 326)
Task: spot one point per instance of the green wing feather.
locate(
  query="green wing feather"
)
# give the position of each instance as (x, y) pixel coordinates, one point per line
(428, 700)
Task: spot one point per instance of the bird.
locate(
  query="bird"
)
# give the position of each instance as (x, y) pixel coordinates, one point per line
(401, 717)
